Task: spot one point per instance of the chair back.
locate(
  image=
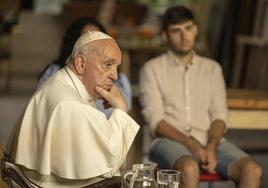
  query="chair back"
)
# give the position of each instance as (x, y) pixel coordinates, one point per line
(10, 173)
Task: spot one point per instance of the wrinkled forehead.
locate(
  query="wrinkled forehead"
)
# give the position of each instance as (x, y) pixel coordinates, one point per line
(106, 48)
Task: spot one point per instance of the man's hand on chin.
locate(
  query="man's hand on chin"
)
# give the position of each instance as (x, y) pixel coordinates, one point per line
(113, 97)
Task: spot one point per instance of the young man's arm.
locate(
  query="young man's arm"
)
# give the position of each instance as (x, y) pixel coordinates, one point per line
(214, 136)
(218, 116)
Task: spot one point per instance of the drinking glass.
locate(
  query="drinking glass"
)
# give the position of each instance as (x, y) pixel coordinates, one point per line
(168, 178)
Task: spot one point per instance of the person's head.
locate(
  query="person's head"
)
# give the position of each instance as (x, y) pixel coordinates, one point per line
(94, 60)
(73, 32)
(178, 27)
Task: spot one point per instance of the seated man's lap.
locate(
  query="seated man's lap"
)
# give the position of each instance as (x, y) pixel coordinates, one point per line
(165, 152)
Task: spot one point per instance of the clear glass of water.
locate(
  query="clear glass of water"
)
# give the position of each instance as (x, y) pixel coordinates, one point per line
(168, 178)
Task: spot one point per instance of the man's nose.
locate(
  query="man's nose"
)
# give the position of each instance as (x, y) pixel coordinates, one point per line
(182, 35)
(113, 74)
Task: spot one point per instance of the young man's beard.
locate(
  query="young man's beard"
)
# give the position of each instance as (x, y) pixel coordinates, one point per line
(180, 52)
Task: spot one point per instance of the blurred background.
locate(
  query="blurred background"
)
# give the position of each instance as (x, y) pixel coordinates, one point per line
(233, 32)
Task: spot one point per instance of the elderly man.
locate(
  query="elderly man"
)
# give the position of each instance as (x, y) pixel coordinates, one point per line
(61, 139)
(184, 101)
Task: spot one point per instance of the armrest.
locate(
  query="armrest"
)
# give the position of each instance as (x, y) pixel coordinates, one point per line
(10, 171)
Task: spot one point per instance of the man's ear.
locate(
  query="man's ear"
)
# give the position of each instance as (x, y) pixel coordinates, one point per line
(79, 64)
(164, 36)
(195, 30)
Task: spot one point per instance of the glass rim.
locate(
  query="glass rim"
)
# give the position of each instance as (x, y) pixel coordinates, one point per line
(167, 171)
(144, 166)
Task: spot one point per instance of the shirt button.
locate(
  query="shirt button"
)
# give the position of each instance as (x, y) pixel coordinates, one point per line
(188, 128)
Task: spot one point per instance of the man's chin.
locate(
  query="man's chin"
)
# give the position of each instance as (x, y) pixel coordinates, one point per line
(182, 52)
(107, 88)
(97, 97)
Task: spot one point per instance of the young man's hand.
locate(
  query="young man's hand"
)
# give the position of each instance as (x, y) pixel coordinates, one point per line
(211, 161)
(113, 98)
(198, 151)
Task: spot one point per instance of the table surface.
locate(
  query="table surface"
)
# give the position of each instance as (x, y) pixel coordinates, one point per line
(114, 182)
(247, 99)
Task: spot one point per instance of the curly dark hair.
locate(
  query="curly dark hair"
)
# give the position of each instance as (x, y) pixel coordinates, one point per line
(71, 35)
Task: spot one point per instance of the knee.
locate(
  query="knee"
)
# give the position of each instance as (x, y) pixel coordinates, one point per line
(252, 169)
(187, 165)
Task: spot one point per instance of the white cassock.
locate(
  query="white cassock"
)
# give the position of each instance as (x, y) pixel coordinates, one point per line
(62, 134)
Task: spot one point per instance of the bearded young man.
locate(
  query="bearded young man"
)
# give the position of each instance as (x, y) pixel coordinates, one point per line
(184, 102)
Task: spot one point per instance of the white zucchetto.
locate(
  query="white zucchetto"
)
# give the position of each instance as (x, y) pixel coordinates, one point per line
(88, 37)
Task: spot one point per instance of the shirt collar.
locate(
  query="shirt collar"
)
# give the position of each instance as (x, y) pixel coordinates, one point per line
(176, 61)
(79, 86)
